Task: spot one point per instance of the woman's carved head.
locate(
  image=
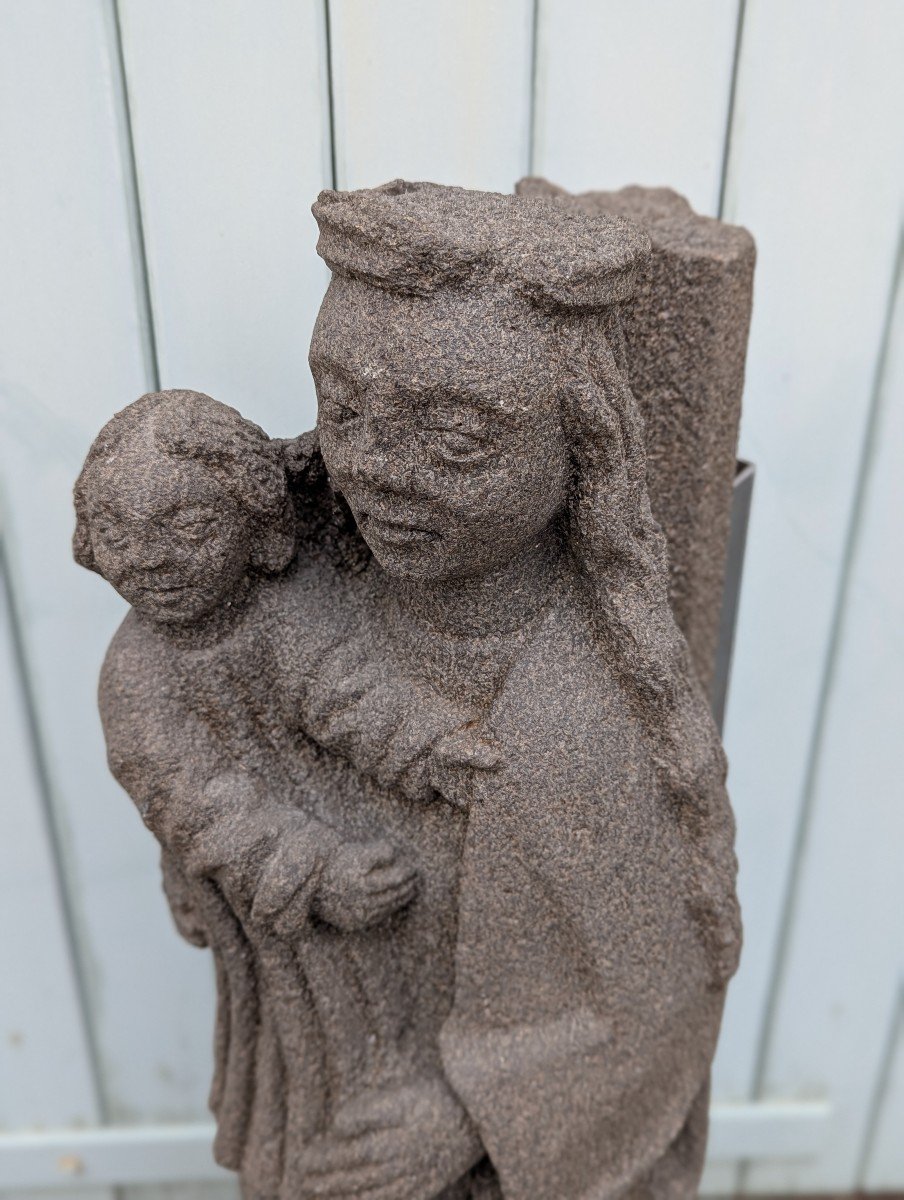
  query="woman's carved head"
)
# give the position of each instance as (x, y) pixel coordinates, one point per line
(178, 499)
(438, 369)
(438, 424)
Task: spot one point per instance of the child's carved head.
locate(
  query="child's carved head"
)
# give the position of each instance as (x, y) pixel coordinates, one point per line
(180, 498)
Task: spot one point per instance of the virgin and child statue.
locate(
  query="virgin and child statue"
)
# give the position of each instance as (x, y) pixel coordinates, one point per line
(405, 705)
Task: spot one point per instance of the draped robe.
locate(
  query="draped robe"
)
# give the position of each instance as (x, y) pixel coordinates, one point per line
(550, 967)
(585, 1017)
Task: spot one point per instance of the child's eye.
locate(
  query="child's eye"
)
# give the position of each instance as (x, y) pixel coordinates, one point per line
(338, 406)
(109, 533)
(195, 528)
(341, 414)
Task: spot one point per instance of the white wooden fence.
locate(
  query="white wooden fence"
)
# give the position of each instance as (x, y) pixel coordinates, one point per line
(158, 162)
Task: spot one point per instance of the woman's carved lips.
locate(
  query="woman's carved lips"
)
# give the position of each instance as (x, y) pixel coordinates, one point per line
(164, 592)
(396, 533)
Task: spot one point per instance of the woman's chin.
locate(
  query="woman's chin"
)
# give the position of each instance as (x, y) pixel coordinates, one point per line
(405, 562)
(184, 612)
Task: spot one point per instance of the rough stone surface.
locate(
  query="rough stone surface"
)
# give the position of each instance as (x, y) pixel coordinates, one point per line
(686, 331)
(405, 704)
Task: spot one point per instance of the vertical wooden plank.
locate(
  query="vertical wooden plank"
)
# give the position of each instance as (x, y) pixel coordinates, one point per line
(182, 1191)
(815, 173)
(72, 350)
(45, 1057)
(719, 1179)
(632, 92)
(228, 102)
(437, 91)
(157, 1191)
(884, 1160)
(845, 953)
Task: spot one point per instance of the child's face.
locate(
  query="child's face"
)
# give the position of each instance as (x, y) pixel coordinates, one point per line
(166, 536)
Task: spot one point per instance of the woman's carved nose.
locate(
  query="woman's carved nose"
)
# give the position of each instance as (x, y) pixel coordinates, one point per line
(365, 466)
(379, 456)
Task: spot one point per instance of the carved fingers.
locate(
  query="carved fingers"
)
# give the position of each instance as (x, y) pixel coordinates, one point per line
(376, 1174)
(364, 883)
(283, 891)
(396, 1145)
(456, 758)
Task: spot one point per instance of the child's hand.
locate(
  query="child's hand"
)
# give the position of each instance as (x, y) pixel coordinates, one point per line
(401, 1144)
(362, 884)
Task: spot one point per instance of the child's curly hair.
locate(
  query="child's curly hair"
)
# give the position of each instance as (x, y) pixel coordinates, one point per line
(237, 453)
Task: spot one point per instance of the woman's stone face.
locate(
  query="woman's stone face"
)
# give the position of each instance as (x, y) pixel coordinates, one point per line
(439, 424)
(165, 536)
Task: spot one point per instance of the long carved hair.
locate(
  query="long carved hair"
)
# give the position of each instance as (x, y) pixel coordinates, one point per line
(620, 552)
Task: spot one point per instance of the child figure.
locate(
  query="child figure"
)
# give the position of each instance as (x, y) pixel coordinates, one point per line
(217, 705)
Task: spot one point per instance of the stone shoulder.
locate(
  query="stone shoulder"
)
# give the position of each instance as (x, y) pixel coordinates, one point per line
(565, 717)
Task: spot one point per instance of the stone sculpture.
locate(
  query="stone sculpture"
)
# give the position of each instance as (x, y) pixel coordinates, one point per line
(686, 332)
(405, 704)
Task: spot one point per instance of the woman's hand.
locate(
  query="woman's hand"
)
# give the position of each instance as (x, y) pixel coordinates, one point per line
(457, 759)
(403, 1144)
(362, 884)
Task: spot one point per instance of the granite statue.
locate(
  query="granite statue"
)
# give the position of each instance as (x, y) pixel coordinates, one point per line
(406, 706)
(686, 329)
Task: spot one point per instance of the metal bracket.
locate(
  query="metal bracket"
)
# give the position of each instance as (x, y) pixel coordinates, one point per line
(734, 569)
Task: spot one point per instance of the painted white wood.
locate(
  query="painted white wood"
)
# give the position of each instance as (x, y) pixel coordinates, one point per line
(160, 1153)
(718, 1179)
(632, 92)
(776, 1129)
(72, 352)
(230, 124)
(838, 991)
(45, 1061)
(226, 1190)
(436, 91)
(884, 1166)
(44, 1056)
(76, 1192)
(815, 172)
(229, 132)
(141, 1154)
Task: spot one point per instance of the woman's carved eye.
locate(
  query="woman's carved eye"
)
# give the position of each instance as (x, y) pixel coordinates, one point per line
(109, 529)
(337, 402)
(340, 413)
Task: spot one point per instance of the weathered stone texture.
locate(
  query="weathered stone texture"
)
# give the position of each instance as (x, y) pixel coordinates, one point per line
(686, 330)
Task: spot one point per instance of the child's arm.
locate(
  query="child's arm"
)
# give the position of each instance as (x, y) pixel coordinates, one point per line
(274, 863)
(182, 901)
(211, 817)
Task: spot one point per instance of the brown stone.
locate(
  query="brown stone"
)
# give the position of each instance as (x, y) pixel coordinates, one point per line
(686, 331)
(407, 709)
